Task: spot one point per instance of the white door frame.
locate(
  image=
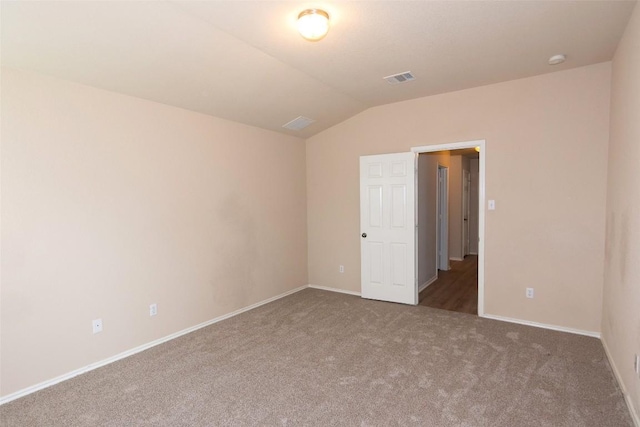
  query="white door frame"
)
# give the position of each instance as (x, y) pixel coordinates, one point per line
(481, 203)
(442, 220)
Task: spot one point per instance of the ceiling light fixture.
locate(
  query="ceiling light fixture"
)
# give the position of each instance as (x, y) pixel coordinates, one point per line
(557, 59)
(313, 24)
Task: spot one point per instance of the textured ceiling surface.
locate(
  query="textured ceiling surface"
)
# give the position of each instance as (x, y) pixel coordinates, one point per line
(244, 61)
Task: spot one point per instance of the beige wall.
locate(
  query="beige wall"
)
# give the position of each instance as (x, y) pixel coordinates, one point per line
(426, 221)
(474, 166)
(110, 203)
(465, 168)
(621, 307)
(546, 168)
(427, 213)
(455, 207)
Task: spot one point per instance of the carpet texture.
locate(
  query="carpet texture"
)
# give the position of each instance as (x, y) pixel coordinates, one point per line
(319, 358)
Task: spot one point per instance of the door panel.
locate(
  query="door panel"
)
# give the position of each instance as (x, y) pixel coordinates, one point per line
(398, 263)
(375, 250)
(375, 206)
(387, 221)
(398, 206)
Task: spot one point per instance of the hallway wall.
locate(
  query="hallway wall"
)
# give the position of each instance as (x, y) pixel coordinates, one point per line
(427, 213)
(474, 167)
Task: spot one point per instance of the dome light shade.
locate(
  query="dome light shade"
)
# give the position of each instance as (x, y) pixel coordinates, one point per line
(313, 24)
(557, 59)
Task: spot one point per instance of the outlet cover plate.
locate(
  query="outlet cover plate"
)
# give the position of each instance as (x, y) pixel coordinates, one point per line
(97, 325)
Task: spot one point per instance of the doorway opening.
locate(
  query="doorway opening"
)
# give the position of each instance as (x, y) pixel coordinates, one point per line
(450, 226)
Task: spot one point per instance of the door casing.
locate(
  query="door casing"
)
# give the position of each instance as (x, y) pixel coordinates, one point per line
(481, 205)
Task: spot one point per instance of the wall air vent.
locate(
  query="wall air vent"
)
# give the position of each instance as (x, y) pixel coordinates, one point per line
(400, 78)
(298, 123)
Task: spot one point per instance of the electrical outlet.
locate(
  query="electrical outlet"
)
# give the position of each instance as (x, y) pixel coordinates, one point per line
(153, 309)
(97, 325)
(529, 293)
(342, 269)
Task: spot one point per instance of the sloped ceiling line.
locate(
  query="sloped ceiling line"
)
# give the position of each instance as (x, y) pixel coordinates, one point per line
(244, 61)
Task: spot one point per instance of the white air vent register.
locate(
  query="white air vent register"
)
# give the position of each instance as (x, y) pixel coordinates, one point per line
(400, 78)
(298, 123)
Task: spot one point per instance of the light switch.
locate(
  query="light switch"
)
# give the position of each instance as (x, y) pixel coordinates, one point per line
(492, 205)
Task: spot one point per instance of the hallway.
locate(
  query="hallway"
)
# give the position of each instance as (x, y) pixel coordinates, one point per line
(456, 289)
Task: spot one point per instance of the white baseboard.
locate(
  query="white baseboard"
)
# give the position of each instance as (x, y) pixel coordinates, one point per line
(632, 410)
(92, 366)
(427, 283)
(455, 259)
(342, 291)
(543, 325)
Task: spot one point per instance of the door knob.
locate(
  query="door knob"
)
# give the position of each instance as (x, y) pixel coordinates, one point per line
(364, 235)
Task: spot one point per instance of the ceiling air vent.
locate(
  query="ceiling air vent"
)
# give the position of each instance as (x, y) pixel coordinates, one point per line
(298, 123)
(400, 78)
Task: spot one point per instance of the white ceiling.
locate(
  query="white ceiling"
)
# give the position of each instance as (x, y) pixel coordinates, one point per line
(244, 61)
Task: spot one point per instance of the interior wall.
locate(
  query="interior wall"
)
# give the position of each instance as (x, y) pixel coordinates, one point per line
(111, 203)
(549, 188)
(621, 313)
(465, 167)
(474, 168)
(455, 208)
(459, 164)
(426, 222)
(427, 213)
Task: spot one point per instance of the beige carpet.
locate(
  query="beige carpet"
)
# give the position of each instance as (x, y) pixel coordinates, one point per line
(325, 359)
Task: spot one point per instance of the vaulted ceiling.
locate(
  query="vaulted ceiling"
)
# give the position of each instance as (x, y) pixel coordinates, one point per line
(244, 60)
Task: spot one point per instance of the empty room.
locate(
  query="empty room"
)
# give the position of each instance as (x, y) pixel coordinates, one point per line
(237, 212)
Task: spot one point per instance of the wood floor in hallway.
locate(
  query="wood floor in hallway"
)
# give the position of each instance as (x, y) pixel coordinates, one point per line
(456, 289)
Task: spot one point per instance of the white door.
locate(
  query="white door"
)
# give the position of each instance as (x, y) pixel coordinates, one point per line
(387, 227)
